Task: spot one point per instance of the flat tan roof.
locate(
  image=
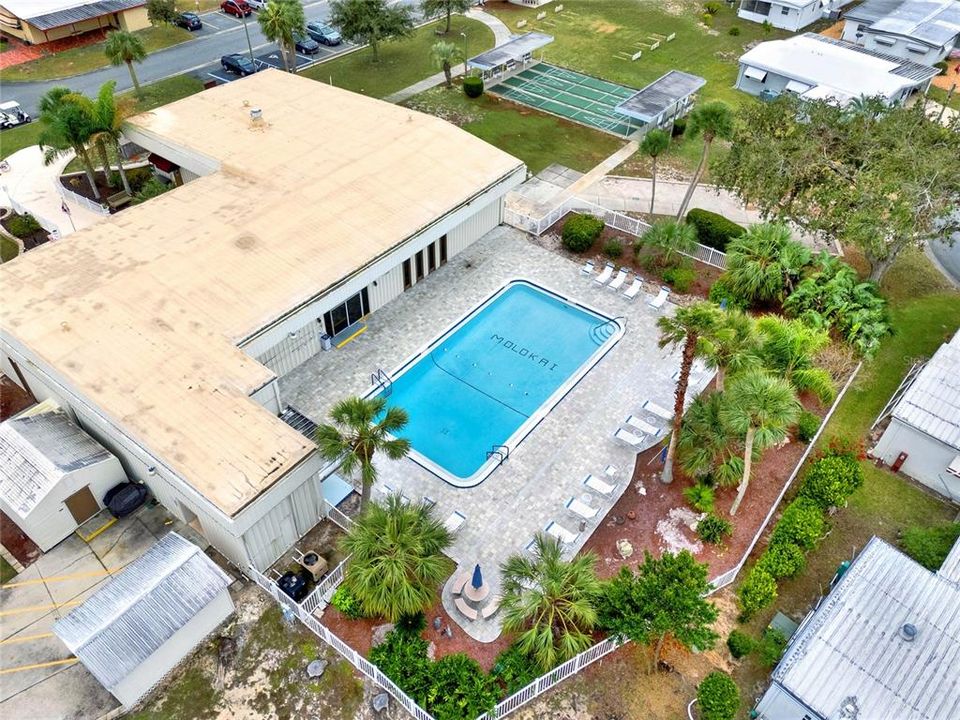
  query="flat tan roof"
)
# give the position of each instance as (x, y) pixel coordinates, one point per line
(141, 314)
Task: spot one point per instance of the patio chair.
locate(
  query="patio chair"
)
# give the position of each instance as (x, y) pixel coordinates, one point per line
(651, 407)
(467, 611)
(581, 509)
(631, 292)
(604, 277)
(454, 521)
(587, 268)
(429, 501)
(618, 281)
(628, 438)
(554, 529)
(599, 486)
(643, 426)
(611, 471)
(660, 299)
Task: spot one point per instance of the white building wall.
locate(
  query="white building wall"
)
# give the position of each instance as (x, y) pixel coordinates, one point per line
(152, 670)
(903, 47)
(474, 228)
(927, 459)
(778, 704)
(268, 396)
(385, 288)
(785, 17)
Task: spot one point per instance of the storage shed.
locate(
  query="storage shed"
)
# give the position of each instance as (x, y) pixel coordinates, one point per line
(141, 624)
(53, 476)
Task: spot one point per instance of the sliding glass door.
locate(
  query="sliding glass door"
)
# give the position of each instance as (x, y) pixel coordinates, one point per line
(343, 316)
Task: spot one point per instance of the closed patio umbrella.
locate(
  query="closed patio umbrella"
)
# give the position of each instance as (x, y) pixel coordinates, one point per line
(477, 581)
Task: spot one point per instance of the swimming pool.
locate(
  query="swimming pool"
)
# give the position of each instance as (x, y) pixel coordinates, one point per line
(479, 388)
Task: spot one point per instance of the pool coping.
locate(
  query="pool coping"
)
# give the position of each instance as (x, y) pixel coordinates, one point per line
(513, 441)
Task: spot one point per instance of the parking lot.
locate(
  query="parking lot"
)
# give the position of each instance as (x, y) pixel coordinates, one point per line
(272, 58)
(39, 677)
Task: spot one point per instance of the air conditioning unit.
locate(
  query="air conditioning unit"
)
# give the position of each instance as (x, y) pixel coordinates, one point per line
(954, 467)
(315, 564)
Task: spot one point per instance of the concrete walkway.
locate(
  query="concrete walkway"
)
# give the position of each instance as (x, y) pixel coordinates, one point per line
(501, 34)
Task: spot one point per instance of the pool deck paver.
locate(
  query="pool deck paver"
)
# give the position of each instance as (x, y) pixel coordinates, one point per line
(531, 489)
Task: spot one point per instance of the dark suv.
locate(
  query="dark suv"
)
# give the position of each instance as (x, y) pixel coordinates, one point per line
(188, 21)
(239, 64)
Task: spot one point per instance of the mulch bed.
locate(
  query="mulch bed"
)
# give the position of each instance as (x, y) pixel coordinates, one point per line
(18, 544)
(32, 240)
(13, 398)
(81, 185)
(19, 52)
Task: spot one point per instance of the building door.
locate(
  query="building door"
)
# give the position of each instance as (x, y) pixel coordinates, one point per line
(82, 505)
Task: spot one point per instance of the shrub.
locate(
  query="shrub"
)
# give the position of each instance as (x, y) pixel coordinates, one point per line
(767, 27)
(807, 426)
(802, 524)
(151, 189)
(831, 480)
(700, 497)
(473, 86)
(757, 591)
(403, 658)
(23, 226)
(941, 66)
(346, 603)
(138, 177)
(734, 30)
(717, 697)
(771, 647)
(740, 644)
(929, 546)
(714, 529)
(679, 127)
(580, 232)
(515, 669)
(413, 624)
(680, 278)
(707, 19)
(613, 248)
(712, 7)
(459, 688)
(713, 230)
(721, 290)
(783, 559)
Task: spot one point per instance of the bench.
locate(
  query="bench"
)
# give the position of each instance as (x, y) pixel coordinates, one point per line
(118, 200)
(491, 609)
(465, 609)
(459, 582)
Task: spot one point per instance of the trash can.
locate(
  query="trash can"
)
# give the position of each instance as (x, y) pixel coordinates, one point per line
(326, 342)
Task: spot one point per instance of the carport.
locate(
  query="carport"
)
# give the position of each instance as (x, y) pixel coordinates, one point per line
(515, 54)
(664, 100)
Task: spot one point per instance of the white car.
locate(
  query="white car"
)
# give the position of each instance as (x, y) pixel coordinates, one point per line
(11, 115)
(257, 4)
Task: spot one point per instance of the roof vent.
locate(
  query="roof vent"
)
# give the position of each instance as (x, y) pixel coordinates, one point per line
(908, 632)
(256, 115)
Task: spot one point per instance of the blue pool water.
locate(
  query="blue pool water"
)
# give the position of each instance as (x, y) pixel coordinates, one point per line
(482, 383)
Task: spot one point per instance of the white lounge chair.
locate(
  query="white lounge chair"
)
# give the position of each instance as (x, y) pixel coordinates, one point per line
(628, 438)
(580, 508)
(604, 277)
(652, 407)
(619, 280)
(556, 530)
(587, 268)
(611, 471)
(454, 521)
(599, 486)
(660, 299)
(643, 426)
(631, 292)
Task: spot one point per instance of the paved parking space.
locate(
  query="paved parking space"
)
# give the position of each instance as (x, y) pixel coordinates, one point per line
(38, 675)
(272, 59)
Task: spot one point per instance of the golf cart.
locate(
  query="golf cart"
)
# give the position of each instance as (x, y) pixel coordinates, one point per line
(11, 115)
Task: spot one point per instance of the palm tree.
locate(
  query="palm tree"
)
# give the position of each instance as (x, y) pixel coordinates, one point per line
(125, 47)
(67, 125)
(760, 407)
(671, 238)
(445, 55)
(549, 601)
(396, 558)
(734, 346)
(712, 120)
(788, 349)
(108, 118)
(654, 144)
(707, 445)
(764, 262)
(281, 21)
(691, 328)
(429, 8)
(357, 434)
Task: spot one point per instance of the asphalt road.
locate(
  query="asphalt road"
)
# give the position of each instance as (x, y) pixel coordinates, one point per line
(221, 35)
(949, 257)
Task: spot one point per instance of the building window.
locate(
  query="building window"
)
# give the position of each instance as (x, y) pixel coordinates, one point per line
(338, 319)
(407, 275)
(419, 260)
(755, 6)
(443, 250)
(431, 257)
(784, 11)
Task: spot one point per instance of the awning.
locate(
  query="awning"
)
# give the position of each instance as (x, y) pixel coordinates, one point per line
(795, 86)
(513, 50)
(161, 163)
(755, 74)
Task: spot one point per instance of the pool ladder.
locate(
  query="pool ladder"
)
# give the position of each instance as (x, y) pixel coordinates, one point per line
(381, 378)
(500, 451)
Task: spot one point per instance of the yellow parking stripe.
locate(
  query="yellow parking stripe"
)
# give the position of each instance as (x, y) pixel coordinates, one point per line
(59, 578)
(37, 666)
(25, 638)
(32, 608)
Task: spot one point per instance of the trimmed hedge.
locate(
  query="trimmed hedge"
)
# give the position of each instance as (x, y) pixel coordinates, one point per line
(718, 697)
(807, 426)
(757, 591)
(712, 229)
(831, 480)
(783, 560)
(740, 644)
(580, 232)
(802, 524)
(679, 278)
(473, 86)
(613, 248)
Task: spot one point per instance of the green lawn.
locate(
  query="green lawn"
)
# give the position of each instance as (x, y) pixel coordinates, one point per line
(84, 59)
(18, 138)
(534, 137)
(7, 573)
(402, 63)
(8, 248)
(940, 95)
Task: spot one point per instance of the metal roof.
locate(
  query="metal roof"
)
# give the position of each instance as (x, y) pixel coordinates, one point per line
(49, 14)
(36, 452)
(660, 95)
(935, 22)
(904, 68)
(871, 10)
(123, 623)
(932, 402)
(512, 50)
(950, 568)
(849, 656)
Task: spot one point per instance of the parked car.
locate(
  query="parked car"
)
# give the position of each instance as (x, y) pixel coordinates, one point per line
(188, 20)
(237, 8)
(257, 5)
(306, 44)
(11, 115)
(240, 64)
(323, 33)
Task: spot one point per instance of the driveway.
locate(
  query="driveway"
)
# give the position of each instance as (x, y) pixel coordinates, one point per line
(39, 677)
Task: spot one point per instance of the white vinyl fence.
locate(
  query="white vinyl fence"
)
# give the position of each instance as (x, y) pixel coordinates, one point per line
(324, 590)
(89, 204)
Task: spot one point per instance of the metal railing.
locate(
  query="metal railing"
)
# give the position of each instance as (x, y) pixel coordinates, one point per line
(337, 516)
(89, 204)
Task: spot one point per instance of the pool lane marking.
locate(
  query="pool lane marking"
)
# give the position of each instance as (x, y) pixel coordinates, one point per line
(26, 638)
(61, 578)
(32, 608)
(37, 666)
